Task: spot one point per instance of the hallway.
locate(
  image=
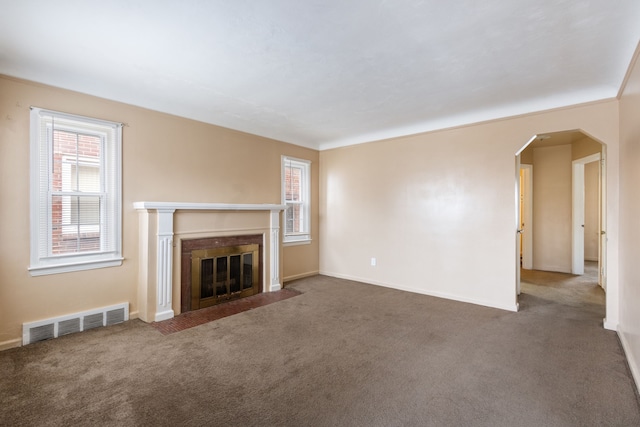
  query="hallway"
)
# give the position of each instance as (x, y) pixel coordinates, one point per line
(564, 288)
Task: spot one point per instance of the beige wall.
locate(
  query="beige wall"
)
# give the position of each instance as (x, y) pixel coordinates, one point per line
(437, 210)
(165, 158)
(630, 220)
(584, 147)
(526, 157)
(552, 208)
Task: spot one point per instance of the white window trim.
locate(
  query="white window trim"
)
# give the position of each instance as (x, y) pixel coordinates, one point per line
(292, 239)
(43, 264)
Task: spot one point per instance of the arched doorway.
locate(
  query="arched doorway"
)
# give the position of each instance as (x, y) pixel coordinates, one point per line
(550, 205)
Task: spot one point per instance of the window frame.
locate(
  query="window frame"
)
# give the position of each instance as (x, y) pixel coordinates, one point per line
(42, 260)
(298, 238)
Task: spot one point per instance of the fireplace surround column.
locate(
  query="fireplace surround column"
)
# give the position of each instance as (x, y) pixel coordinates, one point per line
(274, 242)
(164, 259)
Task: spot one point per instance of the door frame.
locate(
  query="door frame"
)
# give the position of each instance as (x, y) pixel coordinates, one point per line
(610, 322)
(602, 242)
(518, 235)
(527, 215)
(577, 209)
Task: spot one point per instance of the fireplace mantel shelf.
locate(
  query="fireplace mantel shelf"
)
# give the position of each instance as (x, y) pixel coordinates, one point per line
(162, 290)
(208, 206)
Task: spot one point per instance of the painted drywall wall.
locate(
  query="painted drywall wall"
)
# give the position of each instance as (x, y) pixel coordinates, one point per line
(526, 157)
(591, 211)
(165, 158)
(552, 208)
(629, 289)
(584, 147)
(437, 210)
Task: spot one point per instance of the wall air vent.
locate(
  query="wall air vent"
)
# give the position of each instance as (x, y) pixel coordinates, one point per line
(76, 322)
(116, 316)
(42, 332)
(68, 326)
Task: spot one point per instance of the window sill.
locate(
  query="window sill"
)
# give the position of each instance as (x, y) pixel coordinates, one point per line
(75, 266)
(297, 242)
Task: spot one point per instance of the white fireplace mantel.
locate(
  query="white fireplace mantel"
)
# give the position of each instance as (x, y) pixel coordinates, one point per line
(210, 206)
(164, 253)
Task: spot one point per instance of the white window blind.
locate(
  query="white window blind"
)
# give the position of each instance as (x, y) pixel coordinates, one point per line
(75, 192)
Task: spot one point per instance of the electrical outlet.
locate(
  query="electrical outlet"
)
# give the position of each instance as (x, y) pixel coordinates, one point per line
(373, 262)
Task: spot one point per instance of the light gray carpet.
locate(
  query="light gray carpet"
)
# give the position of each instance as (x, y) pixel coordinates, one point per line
(340, 354)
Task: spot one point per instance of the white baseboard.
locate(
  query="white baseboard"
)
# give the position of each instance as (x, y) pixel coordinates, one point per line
(611, 326)
(300, 276)
(6, 345)
(444, 295)
(631, 360)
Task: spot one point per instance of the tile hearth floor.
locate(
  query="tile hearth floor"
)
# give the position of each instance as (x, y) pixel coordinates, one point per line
(198, 317)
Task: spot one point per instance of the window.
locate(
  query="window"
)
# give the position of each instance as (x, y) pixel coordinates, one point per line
(296, 185)
(75, 193)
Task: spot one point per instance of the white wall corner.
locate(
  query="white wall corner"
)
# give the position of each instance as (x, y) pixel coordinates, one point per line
(610, 325)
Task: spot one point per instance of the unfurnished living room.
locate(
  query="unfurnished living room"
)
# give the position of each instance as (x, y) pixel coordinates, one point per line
(319, 213)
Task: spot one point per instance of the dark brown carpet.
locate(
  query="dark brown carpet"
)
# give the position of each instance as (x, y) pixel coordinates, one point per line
(340, 354)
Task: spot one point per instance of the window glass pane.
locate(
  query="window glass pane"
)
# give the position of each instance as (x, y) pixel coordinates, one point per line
(87, 212)
(89, 152)
(293, 219)
(89, 242)
(75, 220)
(64, 151)
(293, 177)
(74, 152)
(87, 177)
(75, 224)
(89, 146)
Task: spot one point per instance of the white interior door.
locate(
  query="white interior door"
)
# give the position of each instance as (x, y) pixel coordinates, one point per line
(577, 241)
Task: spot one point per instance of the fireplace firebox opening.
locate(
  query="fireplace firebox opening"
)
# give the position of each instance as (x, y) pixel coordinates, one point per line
(220, 269)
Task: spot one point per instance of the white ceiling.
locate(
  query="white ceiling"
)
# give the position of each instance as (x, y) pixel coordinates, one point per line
(326, 73)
